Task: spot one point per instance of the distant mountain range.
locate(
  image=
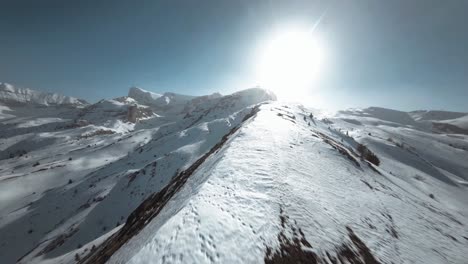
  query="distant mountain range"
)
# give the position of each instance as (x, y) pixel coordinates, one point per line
(10, 93)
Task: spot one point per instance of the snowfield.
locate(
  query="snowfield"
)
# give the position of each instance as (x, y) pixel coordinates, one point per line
(168, 178)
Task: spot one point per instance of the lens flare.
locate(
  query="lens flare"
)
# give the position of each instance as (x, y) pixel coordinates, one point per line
(289, 62)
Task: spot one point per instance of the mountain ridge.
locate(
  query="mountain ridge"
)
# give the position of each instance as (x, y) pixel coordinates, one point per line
(239, 178)
(10, 93)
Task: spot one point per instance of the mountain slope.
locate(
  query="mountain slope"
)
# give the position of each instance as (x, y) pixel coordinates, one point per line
(282, 185)
(435, 121)
(69, 185)
(229, 179)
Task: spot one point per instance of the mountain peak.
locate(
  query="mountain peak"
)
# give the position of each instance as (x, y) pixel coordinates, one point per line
(137, 92)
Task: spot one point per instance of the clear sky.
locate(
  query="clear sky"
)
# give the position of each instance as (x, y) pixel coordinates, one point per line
(404, 55)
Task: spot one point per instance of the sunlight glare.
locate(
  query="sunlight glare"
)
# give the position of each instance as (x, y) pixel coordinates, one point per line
(289, 62)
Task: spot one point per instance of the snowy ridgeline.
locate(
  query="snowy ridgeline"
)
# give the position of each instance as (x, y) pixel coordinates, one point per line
(156, 178)
(10, 93)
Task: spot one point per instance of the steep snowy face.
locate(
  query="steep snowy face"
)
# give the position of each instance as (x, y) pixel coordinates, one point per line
(173, 98)
(166, 102)
(12, 94)
(143, 96)
(171, 102)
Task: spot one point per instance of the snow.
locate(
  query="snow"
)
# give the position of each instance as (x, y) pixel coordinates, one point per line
(142, 96)
(39, 121)
(71, 177)
(10, 93)
(435, 115)
(436, 121)
(3, 112)
(229, 211)
(461, 122)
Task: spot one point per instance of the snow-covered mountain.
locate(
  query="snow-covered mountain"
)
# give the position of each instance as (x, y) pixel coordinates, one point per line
(239, 178)
(435, 121)
(12, 94)
(143, 96)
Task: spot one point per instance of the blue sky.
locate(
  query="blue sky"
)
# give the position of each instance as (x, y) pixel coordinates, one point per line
(400, 54)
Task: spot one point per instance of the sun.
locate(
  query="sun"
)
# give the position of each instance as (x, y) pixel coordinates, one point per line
(289, 62)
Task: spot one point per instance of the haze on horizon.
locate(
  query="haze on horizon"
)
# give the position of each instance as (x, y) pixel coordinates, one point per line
(404, 55)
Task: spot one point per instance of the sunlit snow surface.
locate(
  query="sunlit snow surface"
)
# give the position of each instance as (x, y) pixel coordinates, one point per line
(230, 210)
(65, 188)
